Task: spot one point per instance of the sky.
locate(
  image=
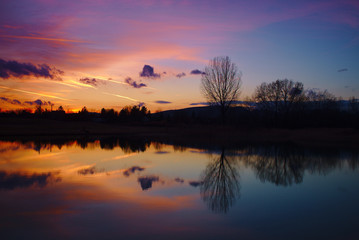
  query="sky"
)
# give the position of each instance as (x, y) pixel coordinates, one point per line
(115, 53)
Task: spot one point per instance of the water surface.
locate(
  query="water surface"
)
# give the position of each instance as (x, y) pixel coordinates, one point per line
(111, 188)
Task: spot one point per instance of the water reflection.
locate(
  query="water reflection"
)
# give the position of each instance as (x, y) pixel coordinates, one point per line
(221, 186)
(123, 186)
(11, 181)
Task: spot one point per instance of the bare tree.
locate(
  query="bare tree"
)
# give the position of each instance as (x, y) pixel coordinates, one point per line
(221, 83)
(279, 96)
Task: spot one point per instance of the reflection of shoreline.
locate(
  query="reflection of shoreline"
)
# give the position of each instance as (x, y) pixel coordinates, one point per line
(196, 135)
(281, 164)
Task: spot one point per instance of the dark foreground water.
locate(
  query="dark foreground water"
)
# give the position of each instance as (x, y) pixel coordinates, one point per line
(115, 189)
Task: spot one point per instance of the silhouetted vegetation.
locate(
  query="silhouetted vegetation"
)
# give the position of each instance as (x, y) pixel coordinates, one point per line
(279, 104)
(221, 82)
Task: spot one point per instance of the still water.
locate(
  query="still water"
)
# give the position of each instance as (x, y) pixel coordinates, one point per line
(119, 189)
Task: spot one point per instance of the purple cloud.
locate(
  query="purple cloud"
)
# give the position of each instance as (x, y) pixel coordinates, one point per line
(133, 83)
(92, 81)
(200, 103)
(38, 102)
(180, 75)
(11, 101)
(162, 102)
(16, 69)
(148, 71)
(195, 183)
(197, 72)
(132, 170)
(146, 182)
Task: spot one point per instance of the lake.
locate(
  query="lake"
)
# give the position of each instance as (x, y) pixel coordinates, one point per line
(114, 188)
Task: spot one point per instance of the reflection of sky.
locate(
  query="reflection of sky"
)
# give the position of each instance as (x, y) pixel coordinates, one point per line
(107, 203)
(307, 41)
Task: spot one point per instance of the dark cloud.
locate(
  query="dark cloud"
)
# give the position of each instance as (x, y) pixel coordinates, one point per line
(134, 84)
(180, 180)
(141, 104)
(89, 171)
(11, 101)
(195, 183)
(343, 70)
(92, 81)
(146, 182)
(197, 72)
(38, 102)
(10, 181)
(31, 103)
(16, 69)
(132, 170)
(180, 75)
(162, 102)
(148, 71)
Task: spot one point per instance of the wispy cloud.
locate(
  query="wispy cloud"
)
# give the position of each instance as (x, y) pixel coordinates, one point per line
(44, 38)
(343, 70)
(34, 93)
(120, 96)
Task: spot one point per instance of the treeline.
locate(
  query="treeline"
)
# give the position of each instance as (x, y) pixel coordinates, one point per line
(127, 114)
(283, 104)
(279, 104)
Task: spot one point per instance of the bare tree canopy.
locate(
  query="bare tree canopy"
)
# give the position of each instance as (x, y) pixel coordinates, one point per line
(221, 83)
(279, 96)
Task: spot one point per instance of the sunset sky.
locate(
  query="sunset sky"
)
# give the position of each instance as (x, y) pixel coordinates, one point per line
(114, 53)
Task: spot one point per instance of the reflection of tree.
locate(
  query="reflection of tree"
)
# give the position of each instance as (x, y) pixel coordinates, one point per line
(279, 165)
(220, 186)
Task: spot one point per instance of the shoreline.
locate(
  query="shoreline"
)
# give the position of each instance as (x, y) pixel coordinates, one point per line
(23, 129)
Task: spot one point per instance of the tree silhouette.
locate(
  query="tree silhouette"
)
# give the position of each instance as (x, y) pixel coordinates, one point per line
(220, 186)
(279, 97)
(221, 82)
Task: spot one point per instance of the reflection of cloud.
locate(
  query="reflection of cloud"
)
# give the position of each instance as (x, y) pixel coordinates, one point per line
(148, 71)
(146, 182)
(343, 70)
(132, 170)
(16, 69)
(197, 72)
(10, 181)
(179, 180)
(162, 152)
(89, 171)
(195, 183)
(162, 102)
(133, 83)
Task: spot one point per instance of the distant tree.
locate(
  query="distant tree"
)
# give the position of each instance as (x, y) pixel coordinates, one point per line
(279, 97)
(221, 83)
(39, 110)
(60, 109)
(321, 100)
(353, 104)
